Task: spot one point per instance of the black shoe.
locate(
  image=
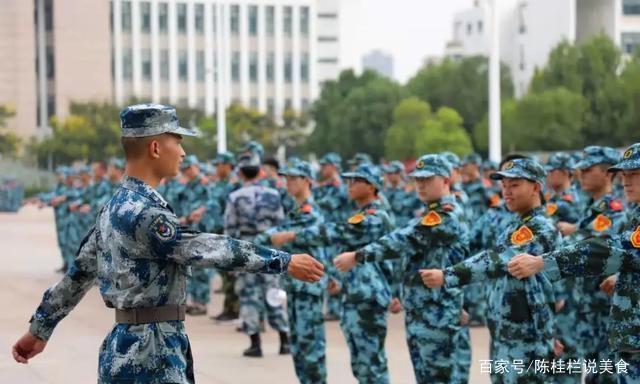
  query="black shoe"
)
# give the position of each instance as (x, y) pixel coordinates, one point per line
(226, 316)
(62, 269)
(252, 352)
(284, 349)
(196, 310)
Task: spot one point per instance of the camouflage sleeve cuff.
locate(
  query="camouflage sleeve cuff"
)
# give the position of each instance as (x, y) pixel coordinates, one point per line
(451, 279)
(361, 257)
(39, 329)
(278, 262)
(551, 267)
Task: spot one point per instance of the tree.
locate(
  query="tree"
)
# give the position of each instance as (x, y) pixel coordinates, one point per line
(461, 85)
(444, 132)
(9, 141)
(409, 119)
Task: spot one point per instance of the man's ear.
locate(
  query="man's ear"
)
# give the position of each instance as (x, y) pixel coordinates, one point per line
(154, 149)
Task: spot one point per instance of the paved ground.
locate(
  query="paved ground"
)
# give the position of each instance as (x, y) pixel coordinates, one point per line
(28, 257)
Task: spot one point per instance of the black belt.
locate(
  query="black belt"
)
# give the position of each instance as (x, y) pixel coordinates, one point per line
(150, 314)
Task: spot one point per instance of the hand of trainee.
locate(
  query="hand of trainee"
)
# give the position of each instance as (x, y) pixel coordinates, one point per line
(608, 285)
(524, 265)
(345, 261)
(281, 238)
(305, 268)
(27, 347)
(432, 278)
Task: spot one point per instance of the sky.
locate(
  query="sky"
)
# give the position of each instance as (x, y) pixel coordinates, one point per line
(410, 30)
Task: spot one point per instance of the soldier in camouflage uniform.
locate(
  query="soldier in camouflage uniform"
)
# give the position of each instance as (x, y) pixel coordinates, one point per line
(331, 196)
(366, 290)
(473, 185)
(139, 254)
(600, 257)
(524, 328)
(404, 203)
(603, 217)
(304, 301)
(250, 210)
(438, 238)
(115, 174)
(359, 159)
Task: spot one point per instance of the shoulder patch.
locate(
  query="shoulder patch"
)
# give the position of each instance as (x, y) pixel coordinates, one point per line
(356, 219)
(494, 201)
(547, 195)
(635, 238)
(522, 236)
(601, 223)
(448, 208)
(306, 208)
(163, 229)
(371, 211)
(551, 208)
(616, 205)
(431, 219)
(568, 197)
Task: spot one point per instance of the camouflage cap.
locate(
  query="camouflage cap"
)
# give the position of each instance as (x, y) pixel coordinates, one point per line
(489, 164)
(368, 172)
(253, 146)
(560, 160)
(432, 165)
(394, 167)
(331, 158)
(299, 168)
(360, 158)
(249, 160)
(595, 154)
(452, 158)
(189, 161)
(473, 158)
(630, 159)
(116, 162)
(521, 169)
(143, 120)
(224, 158)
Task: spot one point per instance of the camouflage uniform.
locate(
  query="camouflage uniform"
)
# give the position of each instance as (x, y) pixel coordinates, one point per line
(476, 190)
(438, 239)
(524, 326)
(250, 210)
(367, 289)
(140, 256)
(304, 300)
(404, 203)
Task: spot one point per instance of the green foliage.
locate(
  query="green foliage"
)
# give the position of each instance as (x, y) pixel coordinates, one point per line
(444, 132)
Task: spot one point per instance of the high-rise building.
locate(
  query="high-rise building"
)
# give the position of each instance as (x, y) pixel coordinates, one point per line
(378, 61)
(530, 29)
(266, 54)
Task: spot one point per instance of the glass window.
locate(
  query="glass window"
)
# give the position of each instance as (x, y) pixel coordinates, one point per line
(304, 21)
(235, 19)
(200, 66)
(163, 17)
(214, 18)
(199, 18)
(183, 65)
(253, 67)
(145, 17)
(631, 7)
(304, 105)
(288, 67)
(235, 67)
(164, 64)
(304, 67)
(126, 16)
(146, 64)
(271, 66)
(182, 18)
(480, 26)
(287, 20)
(253, 20)
(127, 64)
(469, 28)
(271, 107)
(254, 103)
(630, 41)
(270, 16)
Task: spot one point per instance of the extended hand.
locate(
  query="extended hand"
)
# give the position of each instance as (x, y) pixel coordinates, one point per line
(608, 285)
(523, 265)
(566, 228)
(305, 268)
(395, 306)
(432, 278)
(281, 238)
(27, 347)
(333, 287)
(345, 261)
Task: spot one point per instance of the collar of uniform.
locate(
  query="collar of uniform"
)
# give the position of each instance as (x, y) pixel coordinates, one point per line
(140, 187)
(537, 211)
(448, 199)
(370, 205)
(601, 205)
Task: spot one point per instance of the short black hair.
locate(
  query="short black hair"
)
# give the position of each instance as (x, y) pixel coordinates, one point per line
(134, 147)
(250, 172)
(272, 162)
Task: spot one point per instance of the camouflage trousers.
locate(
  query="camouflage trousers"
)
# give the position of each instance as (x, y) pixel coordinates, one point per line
(592, 329)
(199, 286)
(231, 302)
(308, 346)
(364, 325)
(463, 356)
(566, 321)
(632, 376)
(434, 351)
(525, 351)
(475, 300)
(146, 353)
(252, 290)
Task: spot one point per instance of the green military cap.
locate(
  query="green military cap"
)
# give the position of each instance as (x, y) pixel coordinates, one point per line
(432, 165)
(630, 159)
(473, 158)
(299, 168)
(526, 168)
(595, 154)
(360, 158)
(393, 167)
(489, 164)
(116, 162)
(452, 158)
(560, 160)
(331, 158)
(368, 172)
(189, 161)
(225, 158)
(253, 146)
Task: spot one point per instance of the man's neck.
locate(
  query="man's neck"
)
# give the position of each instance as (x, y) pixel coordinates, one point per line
(300, 199)
(365, 201)
(562, 187)
(528, 209)
(143, 173)
(604, 190)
